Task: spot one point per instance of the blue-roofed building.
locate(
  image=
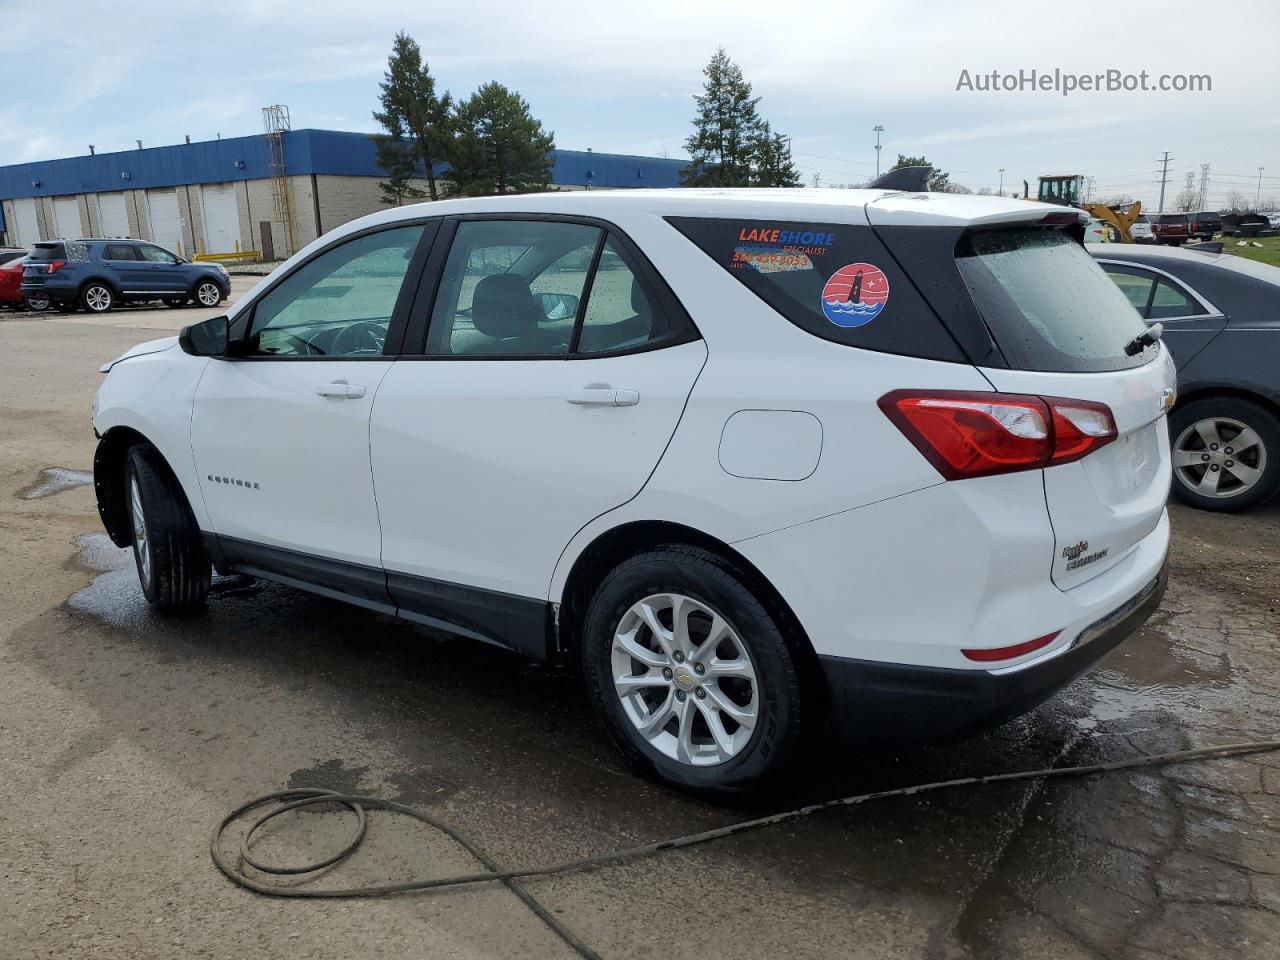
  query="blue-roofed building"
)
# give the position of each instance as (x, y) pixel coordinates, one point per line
(222, 195)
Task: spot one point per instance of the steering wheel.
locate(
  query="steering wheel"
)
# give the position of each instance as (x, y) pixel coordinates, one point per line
(361, 337)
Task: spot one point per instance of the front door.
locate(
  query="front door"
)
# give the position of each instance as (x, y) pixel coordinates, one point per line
(554, 372)
(280, 431)
(165, 272)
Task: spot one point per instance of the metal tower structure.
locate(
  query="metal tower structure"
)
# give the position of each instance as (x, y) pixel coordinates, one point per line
(275, 120)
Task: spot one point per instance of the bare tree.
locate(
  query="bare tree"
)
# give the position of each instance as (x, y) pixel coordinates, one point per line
(1119, 200)
(1237, 202)
(1187, 200)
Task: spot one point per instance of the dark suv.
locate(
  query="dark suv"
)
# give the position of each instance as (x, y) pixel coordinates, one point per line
(1171, 228)
(97, 274)
(1205, 224)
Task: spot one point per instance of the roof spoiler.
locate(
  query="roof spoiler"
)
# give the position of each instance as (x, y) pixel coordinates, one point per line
(903, 178)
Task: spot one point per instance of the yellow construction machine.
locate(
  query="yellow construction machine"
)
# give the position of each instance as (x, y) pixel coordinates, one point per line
(1068, 191)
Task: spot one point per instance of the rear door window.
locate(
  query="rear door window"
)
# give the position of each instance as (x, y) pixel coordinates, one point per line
(119, 251)
(835, 281)
(1048, 305)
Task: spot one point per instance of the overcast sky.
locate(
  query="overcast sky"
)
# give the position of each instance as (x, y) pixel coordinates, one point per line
(619, 78)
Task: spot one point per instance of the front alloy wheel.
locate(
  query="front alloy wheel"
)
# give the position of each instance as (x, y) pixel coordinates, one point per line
(684, 679)
(208, 293)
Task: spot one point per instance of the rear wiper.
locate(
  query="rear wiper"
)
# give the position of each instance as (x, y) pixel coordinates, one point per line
(1143, 340)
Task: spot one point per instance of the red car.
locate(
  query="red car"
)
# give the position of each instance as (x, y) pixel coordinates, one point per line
(1171, 228)
(11, 288)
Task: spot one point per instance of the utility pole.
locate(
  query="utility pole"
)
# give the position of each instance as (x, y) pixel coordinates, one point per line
(1001, 190)
(1257, 200)
(1088, 188)
(878, 130)
(1164, 179)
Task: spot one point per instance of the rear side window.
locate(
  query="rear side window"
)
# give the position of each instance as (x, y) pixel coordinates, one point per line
(1046, 302)
(119, 251)
(835, 281)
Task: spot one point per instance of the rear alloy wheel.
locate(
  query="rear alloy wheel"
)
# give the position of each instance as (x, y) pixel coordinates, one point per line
(208, 293)
(97, 298)
(691, 674)
(1226, 453)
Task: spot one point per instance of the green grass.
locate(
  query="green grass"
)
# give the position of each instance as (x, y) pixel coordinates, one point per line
(1269, 252)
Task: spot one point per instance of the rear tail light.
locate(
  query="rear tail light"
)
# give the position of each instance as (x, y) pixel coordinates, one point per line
(53, 266)
(977, 434)
(989, 654)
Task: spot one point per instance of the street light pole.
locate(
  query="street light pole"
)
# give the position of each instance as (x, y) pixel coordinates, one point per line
(879, 130)
(1001, 190)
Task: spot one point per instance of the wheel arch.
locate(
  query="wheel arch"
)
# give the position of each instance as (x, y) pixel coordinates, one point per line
(612, 546)
(1209, 391)
(116, 290)
(211, 278)
(110, 461)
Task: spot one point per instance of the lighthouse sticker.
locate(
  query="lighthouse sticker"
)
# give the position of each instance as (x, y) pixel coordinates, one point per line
(855, 295)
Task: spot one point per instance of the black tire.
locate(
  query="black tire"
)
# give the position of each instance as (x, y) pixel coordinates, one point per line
(713, 582)
(1266, 457)
(178, 574)
(66, 307)
(207, 293)
(175, 302)
(97, 297)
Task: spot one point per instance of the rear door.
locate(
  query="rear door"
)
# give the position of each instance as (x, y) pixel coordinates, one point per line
(126, 263)
(555, 370)
(1190, 321)
(1062, 326)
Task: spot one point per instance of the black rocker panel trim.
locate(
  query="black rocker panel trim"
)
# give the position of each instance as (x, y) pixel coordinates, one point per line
(521, 624)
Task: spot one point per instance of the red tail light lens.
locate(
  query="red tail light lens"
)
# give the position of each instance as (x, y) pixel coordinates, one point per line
(53, 266)
(976, 434)
(990, 654)
(1079, 428)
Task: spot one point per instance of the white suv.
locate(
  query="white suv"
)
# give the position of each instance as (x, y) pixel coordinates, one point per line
(757, 461)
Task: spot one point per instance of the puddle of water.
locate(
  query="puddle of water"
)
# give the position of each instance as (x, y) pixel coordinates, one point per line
(54, 480)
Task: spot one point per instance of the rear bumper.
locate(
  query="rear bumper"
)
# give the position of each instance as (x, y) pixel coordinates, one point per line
(59, 293)
(885, 702)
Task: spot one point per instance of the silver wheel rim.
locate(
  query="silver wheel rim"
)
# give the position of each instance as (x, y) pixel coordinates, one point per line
(208, 294)
(98, 298)
(685, 679)
(141, 546)
(1219, 457)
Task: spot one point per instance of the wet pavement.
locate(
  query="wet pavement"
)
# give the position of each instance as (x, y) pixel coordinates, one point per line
(125, 735)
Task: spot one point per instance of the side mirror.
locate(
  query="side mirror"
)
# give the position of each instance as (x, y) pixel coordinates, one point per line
(559, 306)
(208, 338)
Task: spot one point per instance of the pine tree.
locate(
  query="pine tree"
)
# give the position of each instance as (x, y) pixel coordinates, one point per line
(772, 158)
(725, 129)
(412, 110)
(500, 147)
(939, 180)
(399, 159)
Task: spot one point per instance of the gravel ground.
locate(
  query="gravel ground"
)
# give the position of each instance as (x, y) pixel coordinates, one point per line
(124, 736)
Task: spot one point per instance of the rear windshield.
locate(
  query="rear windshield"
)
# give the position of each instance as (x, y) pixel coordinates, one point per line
(1046, 302)
(1173, 218)
(47, 251)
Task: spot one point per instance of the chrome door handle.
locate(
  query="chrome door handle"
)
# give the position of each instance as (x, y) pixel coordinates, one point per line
(341, 390)
(598, 395)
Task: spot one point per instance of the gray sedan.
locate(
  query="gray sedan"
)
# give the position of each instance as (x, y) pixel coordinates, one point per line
(1221, 317)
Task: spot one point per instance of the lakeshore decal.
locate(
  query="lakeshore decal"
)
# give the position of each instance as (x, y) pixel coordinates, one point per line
(855, 295)
(773, 250)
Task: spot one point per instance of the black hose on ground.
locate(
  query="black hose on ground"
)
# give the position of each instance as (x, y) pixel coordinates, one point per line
(288, 800)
